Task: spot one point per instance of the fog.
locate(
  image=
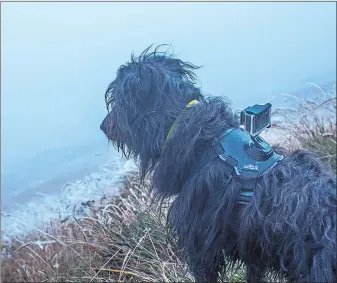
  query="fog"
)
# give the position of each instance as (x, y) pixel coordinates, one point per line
(58, 58)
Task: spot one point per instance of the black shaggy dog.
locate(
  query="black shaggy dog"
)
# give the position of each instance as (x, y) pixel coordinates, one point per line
(288, 226)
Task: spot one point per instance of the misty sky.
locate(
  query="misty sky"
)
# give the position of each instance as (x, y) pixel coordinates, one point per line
(58, 58)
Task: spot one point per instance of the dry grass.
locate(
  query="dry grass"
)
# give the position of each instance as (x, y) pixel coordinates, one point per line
(123, 241)
(311, 124)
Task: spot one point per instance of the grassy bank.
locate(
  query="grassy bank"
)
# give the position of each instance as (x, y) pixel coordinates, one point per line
(124, 239)
(310, 123)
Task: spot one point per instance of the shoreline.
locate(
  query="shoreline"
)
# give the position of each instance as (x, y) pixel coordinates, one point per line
(71, 200)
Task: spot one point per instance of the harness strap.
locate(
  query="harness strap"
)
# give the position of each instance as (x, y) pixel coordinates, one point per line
(207, 156)
(216, 151)
(194, 101)
(246, 192)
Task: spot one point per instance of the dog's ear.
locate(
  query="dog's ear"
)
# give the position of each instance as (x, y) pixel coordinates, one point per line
(131, 87)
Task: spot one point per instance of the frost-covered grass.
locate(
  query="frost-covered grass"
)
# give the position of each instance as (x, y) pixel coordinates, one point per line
(70, 200)
(123, 239)
(308, 122)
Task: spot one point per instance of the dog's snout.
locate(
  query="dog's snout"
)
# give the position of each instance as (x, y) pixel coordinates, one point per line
(106, 125)
(102, 127)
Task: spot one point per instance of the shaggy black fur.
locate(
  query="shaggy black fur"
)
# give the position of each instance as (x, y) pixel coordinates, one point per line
(289, 225)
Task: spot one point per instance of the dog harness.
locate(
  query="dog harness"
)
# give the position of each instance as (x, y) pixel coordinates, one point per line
(244, 157)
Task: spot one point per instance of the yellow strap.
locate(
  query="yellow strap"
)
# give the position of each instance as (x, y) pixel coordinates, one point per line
(173, 125)
(192, 102)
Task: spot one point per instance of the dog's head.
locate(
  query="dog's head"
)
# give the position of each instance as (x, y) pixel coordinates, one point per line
(143, 101)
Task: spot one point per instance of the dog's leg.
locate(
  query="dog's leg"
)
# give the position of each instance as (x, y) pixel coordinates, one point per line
(323, 268)
(207, 270)
(255, 272)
